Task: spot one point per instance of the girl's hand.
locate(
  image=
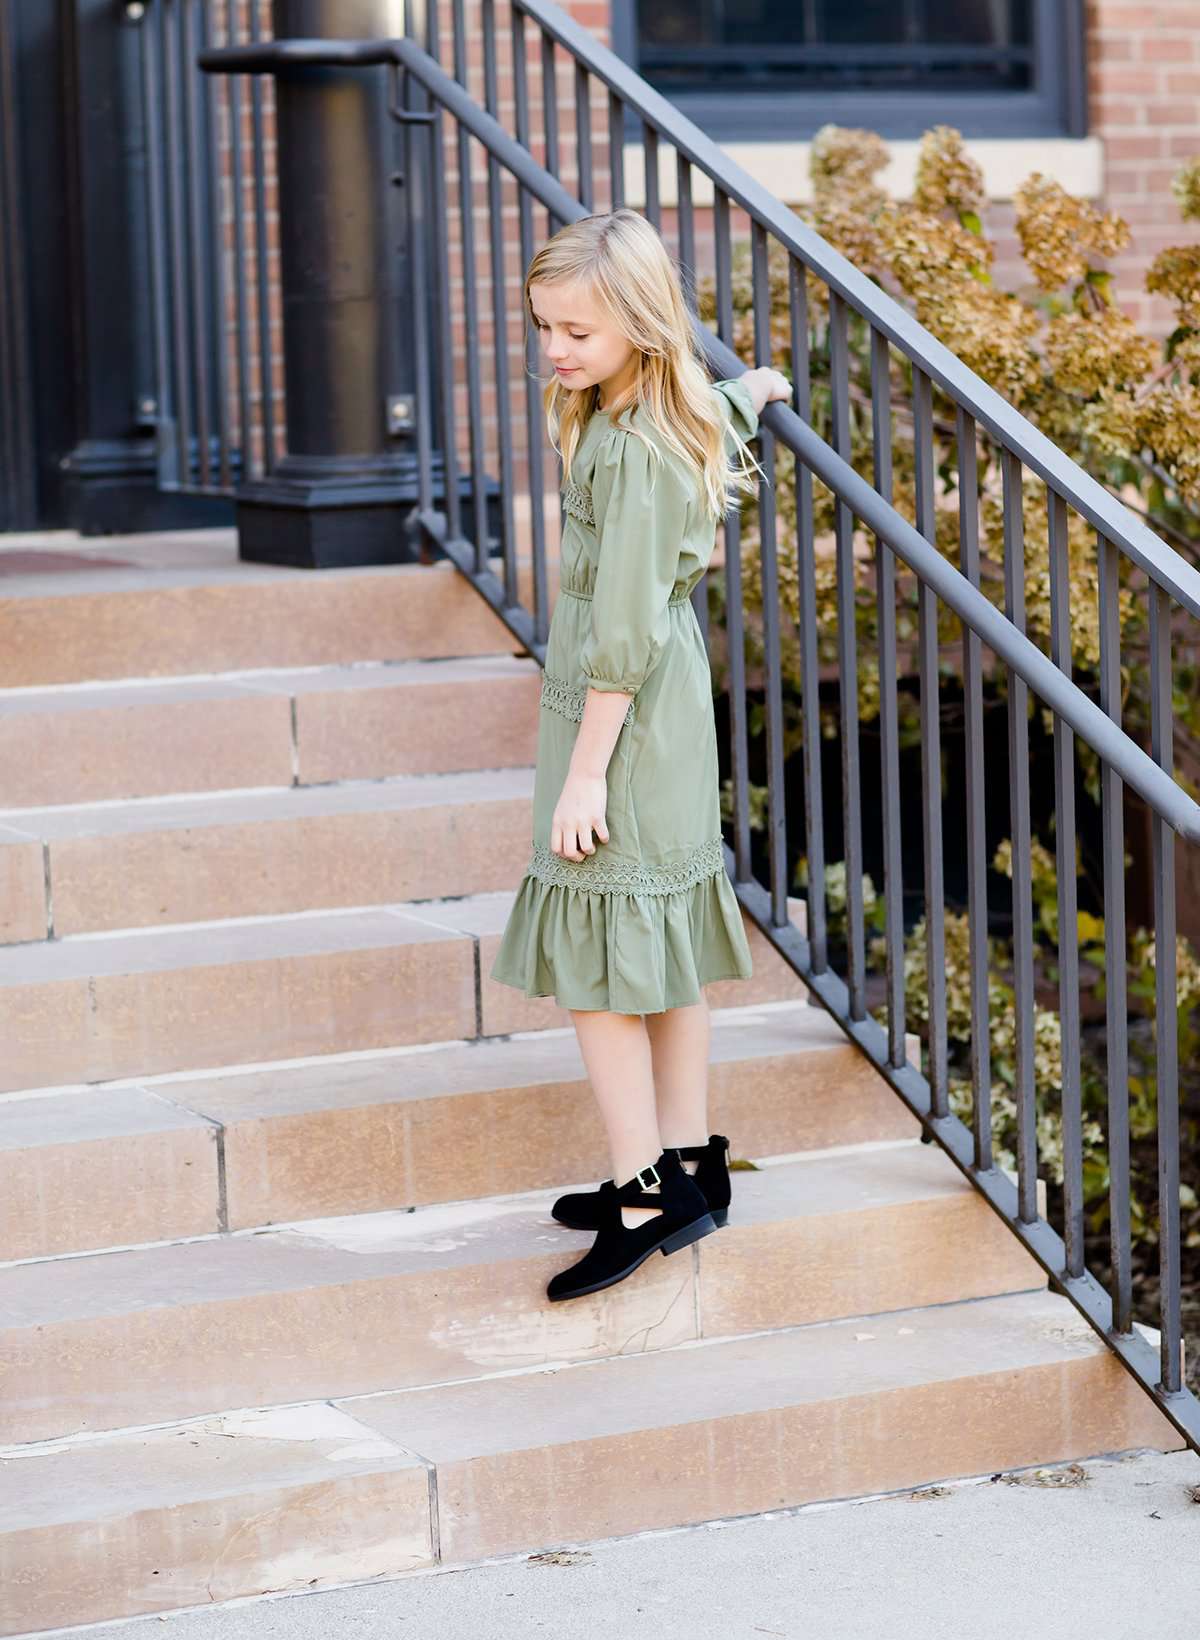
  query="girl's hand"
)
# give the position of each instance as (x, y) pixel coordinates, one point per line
(766, 384)
(578, 812)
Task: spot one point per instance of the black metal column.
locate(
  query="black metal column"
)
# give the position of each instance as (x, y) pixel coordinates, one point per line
(341, 492)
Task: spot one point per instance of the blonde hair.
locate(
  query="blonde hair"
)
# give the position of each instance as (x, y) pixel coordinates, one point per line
(620, 260)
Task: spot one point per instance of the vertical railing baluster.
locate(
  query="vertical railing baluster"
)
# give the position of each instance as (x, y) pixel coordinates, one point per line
(1068, 918)
(168, 18)
(166, 447)
(650, 166)
(686, 221)
(444, 320)
(931, 755)
(1022, 849)
(266, 363)
(687, 278)
(210, 92)
(847, 607)
(616, 151)
(777, 840)
(889, 716)
(1116, 1046)
(810, 675)
(1166, 1039)
(735, 626)
(534, 420)
(550, 121)
(499, 275)
(417, 217)
(977, 864)
(470, 277)
(586, 184)
(240, 270)
(194, 156)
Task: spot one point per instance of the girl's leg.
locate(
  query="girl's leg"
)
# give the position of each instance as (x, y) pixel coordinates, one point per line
(679, 1049)
(616, 1055)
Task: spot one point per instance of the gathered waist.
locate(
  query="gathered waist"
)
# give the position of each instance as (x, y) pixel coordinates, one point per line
(675, 598)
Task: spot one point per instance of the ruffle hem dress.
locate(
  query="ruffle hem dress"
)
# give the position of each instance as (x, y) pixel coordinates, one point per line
(650, 917)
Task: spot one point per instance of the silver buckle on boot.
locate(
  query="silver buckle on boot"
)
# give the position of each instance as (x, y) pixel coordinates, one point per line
(648, 1169)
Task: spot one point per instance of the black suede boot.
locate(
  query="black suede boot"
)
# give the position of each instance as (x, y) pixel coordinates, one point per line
(619, 1248)
(583, 1209)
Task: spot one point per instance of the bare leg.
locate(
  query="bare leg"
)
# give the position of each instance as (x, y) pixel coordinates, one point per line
(679, 1050)
(616, 1055)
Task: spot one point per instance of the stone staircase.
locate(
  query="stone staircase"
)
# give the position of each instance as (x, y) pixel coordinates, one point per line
(276, 1157)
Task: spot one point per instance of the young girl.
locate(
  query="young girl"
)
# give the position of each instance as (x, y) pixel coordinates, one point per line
(626, 931)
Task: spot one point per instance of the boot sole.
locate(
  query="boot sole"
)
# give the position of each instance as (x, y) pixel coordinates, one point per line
(703, 1226)
(720, 1216)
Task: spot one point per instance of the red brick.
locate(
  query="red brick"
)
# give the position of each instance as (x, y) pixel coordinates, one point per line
(1140, 81)
(1171, 48)
(1120, 17)
(1172, 113)
(1115, 49)
(1134, 145)
(1187, 82)
(1121, 112)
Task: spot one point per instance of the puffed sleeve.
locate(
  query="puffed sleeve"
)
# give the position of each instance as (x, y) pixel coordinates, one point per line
(641, 530)
(738, 406)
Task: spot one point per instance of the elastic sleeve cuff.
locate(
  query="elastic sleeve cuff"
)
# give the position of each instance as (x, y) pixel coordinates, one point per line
(607, 685)
(737, 395)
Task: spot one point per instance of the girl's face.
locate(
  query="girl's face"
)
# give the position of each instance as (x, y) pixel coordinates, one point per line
(584, 349)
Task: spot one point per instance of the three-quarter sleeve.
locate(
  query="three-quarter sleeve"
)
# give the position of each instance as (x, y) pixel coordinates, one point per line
(640, 506)
(738, 406)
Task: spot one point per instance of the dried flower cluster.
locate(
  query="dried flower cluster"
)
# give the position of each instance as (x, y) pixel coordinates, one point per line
(1061, 235)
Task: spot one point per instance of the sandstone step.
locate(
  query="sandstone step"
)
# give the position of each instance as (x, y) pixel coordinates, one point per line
(304, 848)
(405, 1299)
(104, 1167)
(142, 1521)
(769, 1421)
(97, 1007)
(199, 1513)
(190, 611)
(106, 742)
(370, 1132)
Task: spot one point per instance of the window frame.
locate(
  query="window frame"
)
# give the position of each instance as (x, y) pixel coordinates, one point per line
(1052, 108)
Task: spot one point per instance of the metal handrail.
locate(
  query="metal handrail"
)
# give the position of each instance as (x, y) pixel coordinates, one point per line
(1060, 692)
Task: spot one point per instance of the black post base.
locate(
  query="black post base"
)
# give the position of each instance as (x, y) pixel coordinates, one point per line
(285, 521)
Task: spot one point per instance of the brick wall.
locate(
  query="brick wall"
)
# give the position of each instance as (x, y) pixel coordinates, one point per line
(1144, 86)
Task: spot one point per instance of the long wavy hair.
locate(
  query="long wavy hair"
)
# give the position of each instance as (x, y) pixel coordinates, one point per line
(620, 260)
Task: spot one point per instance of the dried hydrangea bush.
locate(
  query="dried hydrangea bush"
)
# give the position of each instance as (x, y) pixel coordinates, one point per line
(1122, 404)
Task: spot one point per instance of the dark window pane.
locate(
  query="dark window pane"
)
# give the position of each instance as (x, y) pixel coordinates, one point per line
(811, 45)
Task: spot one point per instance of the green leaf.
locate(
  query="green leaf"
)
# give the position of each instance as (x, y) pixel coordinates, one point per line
(1091, 929)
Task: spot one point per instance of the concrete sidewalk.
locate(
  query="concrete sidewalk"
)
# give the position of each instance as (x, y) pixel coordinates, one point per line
(1093, 1551)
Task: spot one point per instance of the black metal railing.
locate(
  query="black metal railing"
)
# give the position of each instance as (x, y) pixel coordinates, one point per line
(548, 162)
(213, 271)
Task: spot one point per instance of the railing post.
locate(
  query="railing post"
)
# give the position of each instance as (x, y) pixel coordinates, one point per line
(341, 491)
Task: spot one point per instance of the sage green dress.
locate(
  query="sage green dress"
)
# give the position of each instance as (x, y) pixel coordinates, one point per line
(650, 917)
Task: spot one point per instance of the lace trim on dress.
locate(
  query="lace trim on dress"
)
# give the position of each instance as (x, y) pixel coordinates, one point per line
(578, 503)
(569, 699)
(605, 876)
